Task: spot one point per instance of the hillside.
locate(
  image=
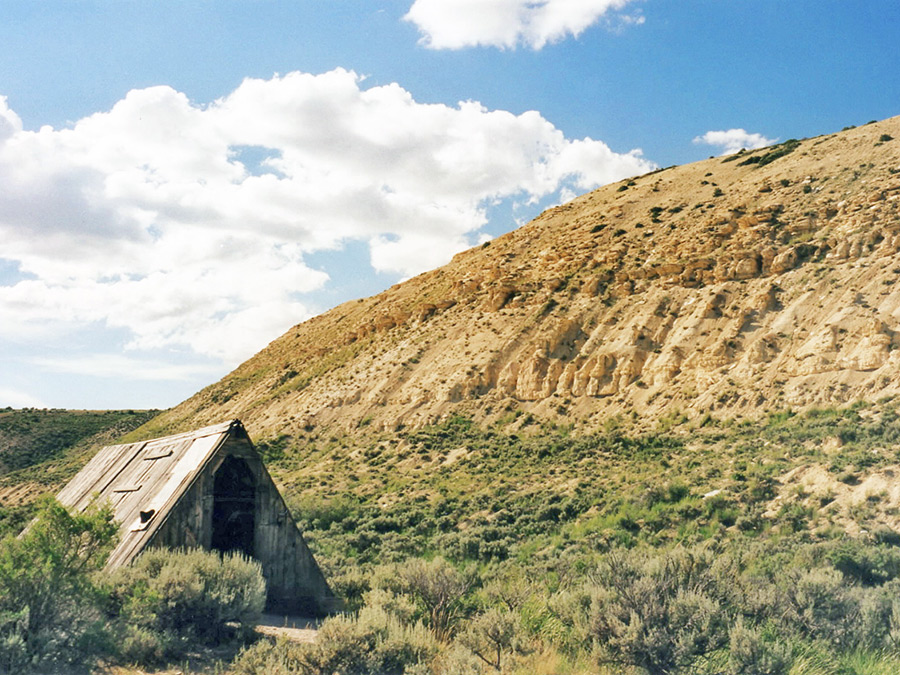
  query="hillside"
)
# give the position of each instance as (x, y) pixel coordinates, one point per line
(31, 436)
(734, 286)
(40, 449)
(654, 431)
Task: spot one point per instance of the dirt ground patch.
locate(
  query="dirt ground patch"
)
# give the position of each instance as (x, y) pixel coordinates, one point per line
(215, 661)
(294, 628)
(852, 501)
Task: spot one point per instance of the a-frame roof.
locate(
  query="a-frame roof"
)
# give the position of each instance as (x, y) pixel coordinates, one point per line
(143, 481)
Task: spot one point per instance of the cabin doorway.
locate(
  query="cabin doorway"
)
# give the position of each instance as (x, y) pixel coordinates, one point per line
(234, 507)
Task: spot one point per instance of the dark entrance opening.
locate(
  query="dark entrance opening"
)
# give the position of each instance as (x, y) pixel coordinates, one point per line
(234, 502)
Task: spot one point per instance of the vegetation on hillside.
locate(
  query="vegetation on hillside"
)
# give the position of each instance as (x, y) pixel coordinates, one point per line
(525, 491)
(523, 547)
(30, 436)
(47, 447)
(760, 607)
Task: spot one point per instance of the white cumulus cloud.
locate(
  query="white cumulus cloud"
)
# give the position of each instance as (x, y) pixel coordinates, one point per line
(112, 365)
(455, 24)
(734, 140)
(189, 226)
(9, 122)
(13, 398)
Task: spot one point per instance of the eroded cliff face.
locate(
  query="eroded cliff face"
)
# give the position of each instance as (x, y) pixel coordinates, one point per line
(734, 285)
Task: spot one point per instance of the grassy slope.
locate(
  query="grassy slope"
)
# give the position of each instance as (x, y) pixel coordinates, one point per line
(32, 436)
(528, 498)
(532, 508)
(536, 493)
(524, 489)
(41, 449)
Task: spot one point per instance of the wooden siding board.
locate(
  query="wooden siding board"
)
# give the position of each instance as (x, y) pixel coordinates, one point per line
(183, 468)
(95, 478)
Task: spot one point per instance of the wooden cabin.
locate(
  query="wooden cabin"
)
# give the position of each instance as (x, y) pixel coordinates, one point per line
(206, 489)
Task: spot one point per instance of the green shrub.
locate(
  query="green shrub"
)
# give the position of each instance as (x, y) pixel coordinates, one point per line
(167, 600)
(138, 644)
(14, 656)
(372, 642)
(491, 635)
(351, 585)
(49, 607)
(438, 588)
(879, 617)
(266, 657)
(866, 564)
(820, 605)
(750, 654)
(775, 152)
(14, 519)
(388, 644)
(662, 613)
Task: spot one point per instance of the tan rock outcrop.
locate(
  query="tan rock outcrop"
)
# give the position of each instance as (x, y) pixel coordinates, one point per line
(787, 295)
(784, 261)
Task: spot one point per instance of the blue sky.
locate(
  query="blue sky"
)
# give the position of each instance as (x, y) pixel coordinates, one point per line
(182, 181)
